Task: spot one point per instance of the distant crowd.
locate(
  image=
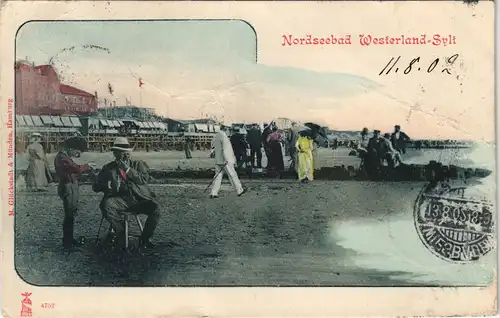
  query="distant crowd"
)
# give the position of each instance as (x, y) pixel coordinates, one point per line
(387, 149)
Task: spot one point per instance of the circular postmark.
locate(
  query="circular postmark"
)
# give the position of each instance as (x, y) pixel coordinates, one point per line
(453, 227)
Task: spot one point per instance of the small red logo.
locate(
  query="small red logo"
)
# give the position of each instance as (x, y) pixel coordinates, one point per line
(26, 305)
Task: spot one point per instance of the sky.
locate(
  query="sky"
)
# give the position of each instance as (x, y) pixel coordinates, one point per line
(194, 69)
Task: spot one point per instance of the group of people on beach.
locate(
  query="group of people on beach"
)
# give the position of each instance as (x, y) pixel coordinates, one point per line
(247, 148)
(123, 182)
(382, 149)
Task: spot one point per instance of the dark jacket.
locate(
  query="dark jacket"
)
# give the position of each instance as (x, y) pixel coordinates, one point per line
(67, 170)
(238, 143)
(254, 138)
(373, 145)
(401, 142)
(135, 185)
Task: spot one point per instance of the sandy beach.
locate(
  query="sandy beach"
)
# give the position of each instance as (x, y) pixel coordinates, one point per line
(340, 233)
(170, 160)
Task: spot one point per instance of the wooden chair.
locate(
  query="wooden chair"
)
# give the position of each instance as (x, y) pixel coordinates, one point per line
(125, 225)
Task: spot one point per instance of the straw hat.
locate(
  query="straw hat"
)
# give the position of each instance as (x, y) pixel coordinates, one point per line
(121, 143)
(35, 134)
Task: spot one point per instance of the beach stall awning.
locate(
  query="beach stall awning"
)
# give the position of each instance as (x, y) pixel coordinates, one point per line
(111, 124)
(135, 122)
(121, 123)
(156, 124)
(104, 122)
(28, 121)
(76, 122)
(66, 121)
(203, 127)
(37, 121)
(117, 123)
(149, 124)
(57, 121)
(20, 121)
(47, 120)
(140, 124)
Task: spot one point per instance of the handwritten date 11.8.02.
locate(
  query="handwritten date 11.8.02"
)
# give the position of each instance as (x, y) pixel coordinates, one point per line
(415, 65)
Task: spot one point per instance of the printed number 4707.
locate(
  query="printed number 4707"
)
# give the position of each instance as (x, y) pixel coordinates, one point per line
(48, 305)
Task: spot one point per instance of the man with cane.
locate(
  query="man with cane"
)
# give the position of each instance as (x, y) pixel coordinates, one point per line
(225, 161)
(67, 172)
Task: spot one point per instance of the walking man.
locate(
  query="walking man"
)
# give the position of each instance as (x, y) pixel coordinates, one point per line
(68, 172)
(225, 161)
(124, 183)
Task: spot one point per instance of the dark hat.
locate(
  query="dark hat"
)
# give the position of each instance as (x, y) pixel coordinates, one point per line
(364, 131)
(76, 142)
(387, 135)
(397, 126)
(306, 133)
(376, 131)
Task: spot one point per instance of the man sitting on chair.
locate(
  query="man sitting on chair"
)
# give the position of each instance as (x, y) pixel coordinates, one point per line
(125, 185)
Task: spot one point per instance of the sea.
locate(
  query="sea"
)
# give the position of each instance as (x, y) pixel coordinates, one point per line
(392, 245)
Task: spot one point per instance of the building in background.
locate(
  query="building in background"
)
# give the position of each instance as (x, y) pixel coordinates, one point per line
(140, 113)
(39, 91)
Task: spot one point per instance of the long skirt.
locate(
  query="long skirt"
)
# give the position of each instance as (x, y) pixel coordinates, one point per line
(36, 174)
(276, 154)
(305, 165)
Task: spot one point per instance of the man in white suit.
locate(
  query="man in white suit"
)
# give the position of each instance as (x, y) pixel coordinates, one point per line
(224, 162)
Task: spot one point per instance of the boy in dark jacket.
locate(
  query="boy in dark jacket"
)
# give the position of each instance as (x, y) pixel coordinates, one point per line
(68, 172)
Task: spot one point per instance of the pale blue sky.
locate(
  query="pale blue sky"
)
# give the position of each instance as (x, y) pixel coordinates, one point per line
(136, 41)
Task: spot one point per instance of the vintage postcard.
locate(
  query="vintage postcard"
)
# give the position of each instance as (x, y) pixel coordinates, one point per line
(159, 158)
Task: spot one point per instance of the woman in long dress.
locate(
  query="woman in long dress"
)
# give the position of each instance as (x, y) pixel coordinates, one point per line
(38, 173)
(276, 161)
(304, 147)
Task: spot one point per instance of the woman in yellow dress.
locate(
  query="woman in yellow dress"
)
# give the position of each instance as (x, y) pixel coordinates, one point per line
(304, 147)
